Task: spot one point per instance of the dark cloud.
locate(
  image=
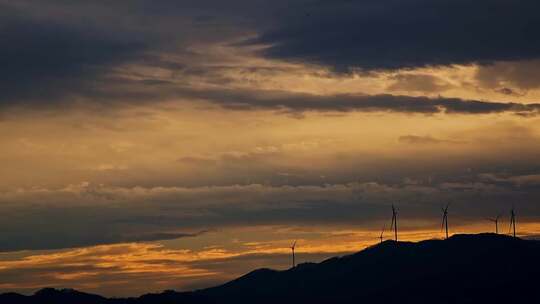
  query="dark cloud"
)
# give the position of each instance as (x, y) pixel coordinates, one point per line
(395, 34)
(118, 215)
(69, 228)
(45, 59)
(81, 240)
(63, 52)
(119, 91)
(294, 103)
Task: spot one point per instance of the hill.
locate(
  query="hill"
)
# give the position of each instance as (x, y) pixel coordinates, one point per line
(482, 268)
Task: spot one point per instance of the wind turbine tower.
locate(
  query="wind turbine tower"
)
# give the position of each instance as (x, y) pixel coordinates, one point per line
(445, 219)
(513, 221)
(394, 222)
(496, 221)
(382, 233)
(292, 248)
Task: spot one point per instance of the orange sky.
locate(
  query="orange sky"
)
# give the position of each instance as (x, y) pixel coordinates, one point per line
(215, 257)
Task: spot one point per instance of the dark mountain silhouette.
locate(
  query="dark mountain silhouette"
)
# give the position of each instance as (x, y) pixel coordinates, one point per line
(483, 268)
(51, 295)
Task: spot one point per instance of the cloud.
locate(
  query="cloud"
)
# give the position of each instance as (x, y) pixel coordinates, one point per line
(46, 60)
(287, 102)
(393, 34)
(51, 58)
(418, 83)
(128, 91)
(508, 91)
(58, 52)
(509, 77)
(424, 140)
(105, 269)
(85, 268)
(528, 180)
(54, 238)
(197, 160)
(108, 215)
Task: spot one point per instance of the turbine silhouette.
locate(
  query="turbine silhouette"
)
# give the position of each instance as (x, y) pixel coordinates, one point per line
(445, 219)
(292, 248)
(513, 221)
(382, 233)
(496, 221)
(394, 222)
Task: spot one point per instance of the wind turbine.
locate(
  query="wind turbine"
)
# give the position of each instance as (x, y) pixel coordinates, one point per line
(445, 219)
(382, 232)
(292, 248)
(394, 222)
(513, 220)
(496, 221)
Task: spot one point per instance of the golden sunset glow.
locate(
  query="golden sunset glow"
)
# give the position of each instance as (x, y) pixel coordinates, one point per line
(192, 263)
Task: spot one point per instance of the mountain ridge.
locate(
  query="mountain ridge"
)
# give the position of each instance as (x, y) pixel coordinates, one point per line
(462, 269)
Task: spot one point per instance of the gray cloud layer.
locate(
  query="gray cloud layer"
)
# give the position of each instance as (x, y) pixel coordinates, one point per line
(46, 60)
(394, 34)
(105, 215)
(298, 102)
(71, 52)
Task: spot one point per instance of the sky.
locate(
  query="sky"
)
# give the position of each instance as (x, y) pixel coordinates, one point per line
(152, 145)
